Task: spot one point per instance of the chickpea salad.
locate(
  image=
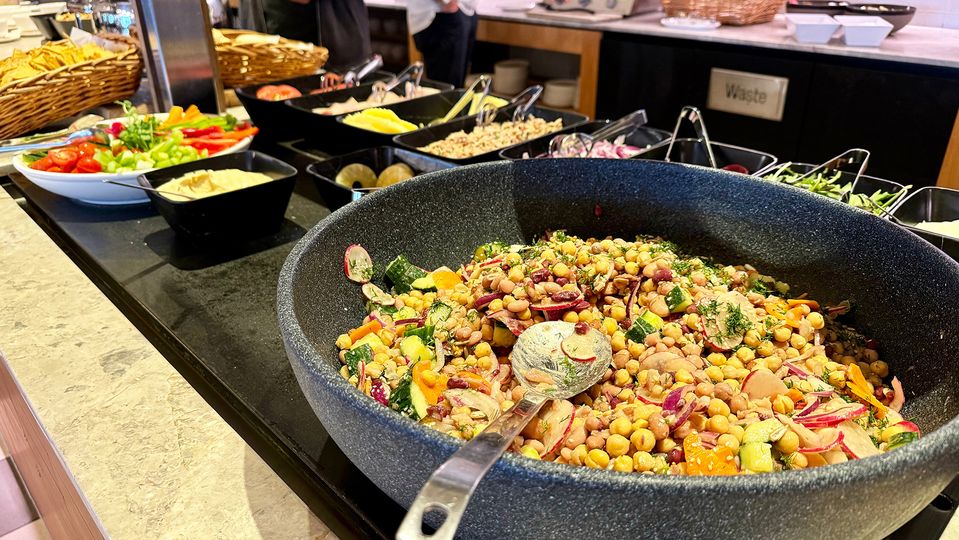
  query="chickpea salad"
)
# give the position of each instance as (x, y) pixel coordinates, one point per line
(716, 369)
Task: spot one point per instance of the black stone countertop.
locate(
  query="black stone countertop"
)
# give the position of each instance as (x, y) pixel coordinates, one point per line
(211, 311)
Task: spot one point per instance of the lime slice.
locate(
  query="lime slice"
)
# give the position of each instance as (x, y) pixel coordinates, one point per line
(356, 173)
(394, 173)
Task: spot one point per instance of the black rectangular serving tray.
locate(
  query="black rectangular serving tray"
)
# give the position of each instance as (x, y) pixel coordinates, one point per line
(867, 185)
(931, 204)
(644, 137)
(321, 129)
(274, 117)
(420, 111)
(245, 212)
(693, 152)
(334, 195)
(414, 140)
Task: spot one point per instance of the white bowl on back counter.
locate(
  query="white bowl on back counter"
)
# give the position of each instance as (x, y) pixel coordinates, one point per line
(811, 27)
(863, 31)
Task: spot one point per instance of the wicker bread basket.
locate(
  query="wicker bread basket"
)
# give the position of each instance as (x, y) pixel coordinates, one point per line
(732, 12)
(29, 104)
(243, 64)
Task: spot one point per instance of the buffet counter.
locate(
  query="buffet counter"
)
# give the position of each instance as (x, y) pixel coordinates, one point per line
(147, 455)
(921, 45)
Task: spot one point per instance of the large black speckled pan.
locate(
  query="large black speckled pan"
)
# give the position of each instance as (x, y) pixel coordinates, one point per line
(906, 293)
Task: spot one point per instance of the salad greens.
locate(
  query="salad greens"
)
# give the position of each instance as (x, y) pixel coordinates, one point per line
(829, 184)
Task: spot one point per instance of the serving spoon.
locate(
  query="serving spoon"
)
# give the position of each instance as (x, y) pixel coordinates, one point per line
(544, 369)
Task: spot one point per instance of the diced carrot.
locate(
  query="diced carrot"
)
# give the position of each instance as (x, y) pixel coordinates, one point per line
(431, 392)
(357, 333)
(446, 279)
(813, 305)
(795, 395)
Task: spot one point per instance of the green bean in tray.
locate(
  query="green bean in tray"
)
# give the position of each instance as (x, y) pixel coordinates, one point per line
(829, 185)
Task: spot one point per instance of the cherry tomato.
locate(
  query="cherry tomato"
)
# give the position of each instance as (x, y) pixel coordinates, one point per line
(87, 164)
(86, 149)
(64, 158)
(42, 164)
(54, 169)
(737, 168)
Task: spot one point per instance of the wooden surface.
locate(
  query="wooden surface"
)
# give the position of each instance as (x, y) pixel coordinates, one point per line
(583, 43)
(59, 503)
(949, 174)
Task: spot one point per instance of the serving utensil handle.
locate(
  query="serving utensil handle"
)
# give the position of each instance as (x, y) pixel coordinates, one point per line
(450, 487)
(696, 119)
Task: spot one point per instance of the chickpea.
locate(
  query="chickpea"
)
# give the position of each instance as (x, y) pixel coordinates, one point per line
(658, 426)
(619, 362)
(672, 330)
(745, 354)
(837, 379)
(617, 445)
(736, 431)
(643, 440)
(643, 462)
(482, 348)
(596, 459)
(782, 334)
(665, 445)
(621, 426)
(343, 341)
(516, 274)
(704, 389)
(730, 372)
(788, 443)
(766, 348)
(617, 313)
(798, 461)
(618, 341)
(751, 339)
(595, 441)
(739, 402)
(659, 307)
(632, 366)
(719, 424)
(879, 368)
(715, 374)
(623, 464)
(816, 320)
(593, 423)
(783, 404)
(729, 440)
(797, 341)
(717, 407)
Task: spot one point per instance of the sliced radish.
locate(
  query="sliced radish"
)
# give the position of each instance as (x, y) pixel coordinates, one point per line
(377, 295)
(559, 422)
(834, 456)
(832, 418)
(357, 264)
(642, 394)
(824, 447)
(856, 441)
(810, 408)
(579, 347)
(796, 370)
(491, 262)
(548, 304)
(908, 426)
(899, 397)
(673, 399)
(718, 325)
(763, 383)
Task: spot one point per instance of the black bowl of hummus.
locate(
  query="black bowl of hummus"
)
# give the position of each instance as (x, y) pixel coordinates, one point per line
(240, 194)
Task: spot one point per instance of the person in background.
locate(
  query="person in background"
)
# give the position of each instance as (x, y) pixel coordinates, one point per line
(444, 32)
(342, 26)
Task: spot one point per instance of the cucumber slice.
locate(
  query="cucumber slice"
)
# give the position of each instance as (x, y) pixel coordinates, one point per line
(647, 323)
(678, 300)
(405, 313)
(402, 274)
(756, 457)
(438, 313)
(424, 284)
(418, 400)
(413, 348)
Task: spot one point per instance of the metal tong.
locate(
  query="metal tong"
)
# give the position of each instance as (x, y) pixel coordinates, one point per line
(413, 73)
(524, 101)
(581, 144)
(696, 119)
(353, 76)
(853, 156)
(466, 98)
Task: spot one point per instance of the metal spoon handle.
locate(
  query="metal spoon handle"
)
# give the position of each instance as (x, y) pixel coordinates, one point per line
(449, 488)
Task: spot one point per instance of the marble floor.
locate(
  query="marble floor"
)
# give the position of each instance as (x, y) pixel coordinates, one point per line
(18, 516)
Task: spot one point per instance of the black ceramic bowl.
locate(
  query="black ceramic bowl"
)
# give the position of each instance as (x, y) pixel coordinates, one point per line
(415, 140)
(827, 7)
(931, 204)
(245, 212)
(274, 118)
(335, 195)
(693, 152)
(896, 15)
(904, 289)
(322, 129)
(644, 137)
